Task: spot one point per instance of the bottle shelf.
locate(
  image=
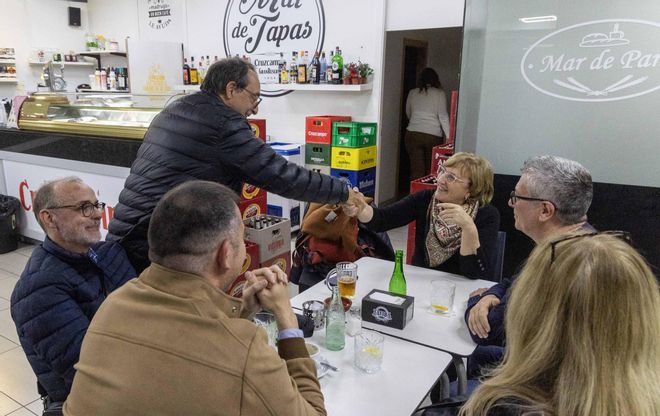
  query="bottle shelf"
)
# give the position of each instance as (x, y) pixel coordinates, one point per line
(105, 91)
(8, 81)
(295, 87)
(64, 62)
(7, 61)
(105, 53)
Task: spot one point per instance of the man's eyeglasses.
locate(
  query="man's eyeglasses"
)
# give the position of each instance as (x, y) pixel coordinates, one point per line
(622, 235)
(86, 208)
(255, 97)
(514, 198)
(449, 177)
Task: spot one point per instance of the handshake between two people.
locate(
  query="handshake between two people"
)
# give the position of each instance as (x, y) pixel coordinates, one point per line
(357, 205)
(266, 288)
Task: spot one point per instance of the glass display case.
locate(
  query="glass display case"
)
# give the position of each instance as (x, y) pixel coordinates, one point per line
(95, 115)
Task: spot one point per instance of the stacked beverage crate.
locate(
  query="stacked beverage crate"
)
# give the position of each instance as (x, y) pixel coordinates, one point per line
(354, 155)
(318, 141)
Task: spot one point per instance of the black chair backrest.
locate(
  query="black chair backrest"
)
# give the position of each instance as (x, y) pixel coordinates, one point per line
(499, 259)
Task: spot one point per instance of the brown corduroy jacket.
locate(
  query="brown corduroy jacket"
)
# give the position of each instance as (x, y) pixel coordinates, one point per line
(169, 343)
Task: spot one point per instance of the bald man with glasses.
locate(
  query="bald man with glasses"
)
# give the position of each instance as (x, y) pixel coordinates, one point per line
(65, 281)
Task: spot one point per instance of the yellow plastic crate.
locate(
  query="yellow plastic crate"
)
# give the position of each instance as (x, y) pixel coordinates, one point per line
(353, 158)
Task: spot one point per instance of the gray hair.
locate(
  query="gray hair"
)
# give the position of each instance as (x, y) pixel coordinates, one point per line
(46, 196)
(566, 183)
(190, 222)
(225, 71)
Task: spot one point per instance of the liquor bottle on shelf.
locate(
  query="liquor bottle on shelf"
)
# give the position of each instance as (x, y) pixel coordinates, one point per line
(315, 70)
(337, 67)
(186, 72)
(335, 325)
(121, 79)
(293, 69)
(202, 71)
(194, 75)
(215, 58)
(208, 62)
(398, 280)
(112, 80)
(323, 68)
(103, 84)
(328, 71)
(284, 71)
(302, 69)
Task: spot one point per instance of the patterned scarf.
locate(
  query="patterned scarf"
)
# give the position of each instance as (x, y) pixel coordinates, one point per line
(444, 239)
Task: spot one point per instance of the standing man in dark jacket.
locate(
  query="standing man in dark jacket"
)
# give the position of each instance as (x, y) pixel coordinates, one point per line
(551, 199)
(206, 136)
(64, 282)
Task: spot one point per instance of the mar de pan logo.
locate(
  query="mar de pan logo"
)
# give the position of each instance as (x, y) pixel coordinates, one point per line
(596, 61)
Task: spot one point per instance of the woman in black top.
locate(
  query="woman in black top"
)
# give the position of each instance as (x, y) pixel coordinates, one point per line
(456, 228)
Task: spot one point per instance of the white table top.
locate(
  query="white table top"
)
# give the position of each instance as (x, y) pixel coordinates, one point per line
(408, 373)
(446, 333)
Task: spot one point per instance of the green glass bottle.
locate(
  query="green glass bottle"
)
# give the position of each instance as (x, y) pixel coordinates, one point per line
(398, 280)
(335, 323)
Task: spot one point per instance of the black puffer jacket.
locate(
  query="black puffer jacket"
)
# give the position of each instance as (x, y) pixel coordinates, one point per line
(199, 137)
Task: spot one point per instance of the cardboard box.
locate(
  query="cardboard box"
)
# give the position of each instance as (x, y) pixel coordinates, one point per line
(253, 207)
(249, 192)
(258, 126)
(273, 240)
(318, 168)
(385, 313)
(354, 134)
(318, 129)
(364, 179)
(279, 206)
(251, 262)
(353, 158)
(283, 261)
(318, 154)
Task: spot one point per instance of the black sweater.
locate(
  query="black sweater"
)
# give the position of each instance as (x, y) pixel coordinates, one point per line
(415, 206)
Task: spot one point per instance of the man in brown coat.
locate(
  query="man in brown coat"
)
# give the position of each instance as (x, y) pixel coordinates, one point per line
(172, 342)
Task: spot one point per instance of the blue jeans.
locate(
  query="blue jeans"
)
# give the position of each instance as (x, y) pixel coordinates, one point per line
(483, 359)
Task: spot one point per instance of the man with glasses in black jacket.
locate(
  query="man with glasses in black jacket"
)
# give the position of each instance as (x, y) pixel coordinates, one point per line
(65, 281)
(206, 136)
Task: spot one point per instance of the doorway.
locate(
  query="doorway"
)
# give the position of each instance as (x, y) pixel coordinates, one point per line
(415, 58)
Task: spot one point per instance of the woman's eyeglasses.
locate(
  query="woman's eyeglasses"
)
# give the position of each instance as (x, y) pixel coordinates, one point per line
(622, 235)
(86, 208)
(449, 177)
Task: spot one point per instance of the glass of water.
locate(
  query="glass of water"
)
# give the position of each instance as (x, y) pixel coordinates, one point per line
(442, 297)
(369, 351)
(266, 320)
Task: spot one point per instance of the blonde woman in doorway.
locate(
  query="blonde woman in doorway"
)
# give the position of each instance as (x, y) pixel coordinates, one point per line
(426, 109)
(582, 331)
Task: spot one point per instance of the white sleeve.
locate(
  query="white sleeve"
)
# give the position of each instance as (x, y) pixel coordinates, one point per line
(442, 113)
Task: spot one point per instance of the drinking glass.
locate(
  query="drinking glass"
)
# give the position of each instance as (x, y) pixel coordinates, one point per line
(266, 320)
(346, 278)
(442, 297)
(353, 321)
(315, 309)
(369, 351)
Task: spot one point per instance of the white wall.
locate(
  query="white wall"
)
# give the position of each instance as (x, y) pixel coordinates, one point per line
(444, 50)
(423, 14)
(30, 25)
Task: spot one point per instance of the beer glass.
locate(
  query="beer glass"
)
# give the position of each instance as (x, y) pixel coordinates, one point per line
(346, 278)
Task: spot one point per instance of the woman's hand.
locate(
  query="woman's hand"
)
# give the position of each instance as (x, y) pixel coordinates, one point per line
(355, 205)
(455, 214)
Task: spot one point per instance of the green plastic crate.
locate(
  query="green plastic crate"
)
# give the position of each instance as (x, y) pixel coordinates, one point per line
(318, 154)
(353, 134)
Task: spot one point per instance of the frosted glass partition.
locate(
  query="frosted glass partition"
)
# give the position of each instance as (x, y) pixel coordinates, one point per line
(577, 79)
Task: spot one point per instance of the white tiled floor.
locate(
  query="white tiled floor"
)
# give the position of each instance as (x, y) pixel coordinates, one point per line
(18, 385)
